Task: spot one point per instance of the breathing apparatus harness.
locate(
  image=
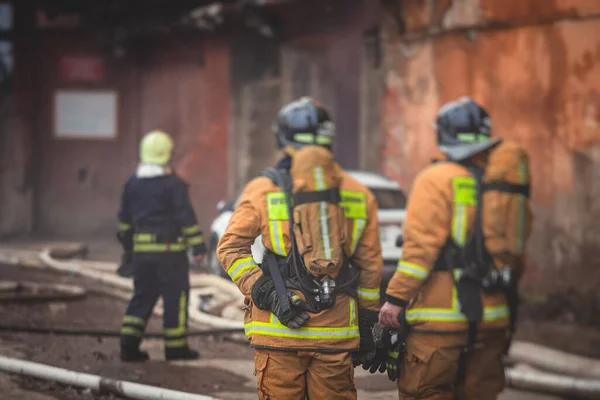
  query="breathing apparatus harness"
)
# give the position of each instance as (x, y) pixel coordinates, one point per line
(290, 272)
(474, 269)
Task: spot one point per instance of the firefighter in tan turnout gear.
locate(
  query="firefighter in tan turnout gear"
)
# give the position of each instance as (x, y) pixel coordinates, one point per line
(314, 299)
(453, 297)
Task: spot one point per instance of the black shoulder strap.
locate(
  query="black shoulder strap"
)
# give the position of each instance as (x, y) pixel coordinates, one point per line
(280, 177)
(329, 195)
(476, 241)
(283, 179)
(507, 187)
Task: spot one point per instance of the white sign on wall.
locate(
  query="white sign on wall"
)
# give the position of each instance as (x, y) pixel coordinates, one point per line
(87, 114)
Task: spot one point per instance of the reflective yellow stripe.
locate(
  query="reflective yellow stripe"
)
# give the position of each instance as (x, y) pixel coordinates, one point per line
(412, 269)
(465, 195)
(266, 329)
(190, 230)
(276, 207)
(276, 328)
(490, 313)
(129, 331)
(133, 320)
(158, 247)
(182, 310)
(175, 331)
(311, 138)
(357, 231)
(354, 204)
(472, 137)
(195, 240)
(320, 184)
(277, 211)
(368, 294)
(176, 343)
(241, 265)
(144, 237)
(124, 226)
(276, 233)
(447, 315)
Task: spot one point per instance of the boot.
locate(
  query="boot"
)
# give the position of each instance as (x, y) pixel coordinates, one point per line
(129, 354)
(181, 353)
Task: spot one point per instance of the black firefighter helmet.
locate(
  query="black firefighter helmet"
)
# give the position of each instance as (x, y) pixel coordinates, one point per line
(464, 129)
(304, 122)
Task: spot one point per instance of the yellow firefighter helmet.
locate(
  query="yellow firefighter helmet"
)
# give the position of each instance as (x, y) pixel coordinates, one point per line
(156, 147)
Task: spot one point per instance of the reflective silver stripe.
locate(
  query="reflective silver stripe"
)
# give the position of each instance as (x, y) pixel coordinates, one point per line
(321, 185)
(459, 224)
(240, 266)
(368, 294)
(412, 269)
(359, 227)
(277, 238)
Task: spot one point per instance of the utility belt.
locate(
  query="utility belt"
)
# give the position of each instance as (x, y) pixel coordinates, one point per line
(319, 292)
(158, 239)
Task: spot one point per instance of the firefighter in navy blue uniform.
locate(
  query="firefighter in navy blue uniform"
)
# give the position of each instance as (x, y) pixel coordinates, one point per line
(158, 225)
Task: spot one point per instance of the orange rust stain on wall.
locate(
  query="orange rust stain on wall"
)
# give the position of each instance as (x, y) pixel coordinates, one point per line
(541, 84)
(409, 110)
(536, 9)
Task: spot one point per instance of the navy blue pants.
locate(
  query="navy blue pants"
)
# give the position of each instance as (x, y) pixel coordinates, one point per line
(158, 274)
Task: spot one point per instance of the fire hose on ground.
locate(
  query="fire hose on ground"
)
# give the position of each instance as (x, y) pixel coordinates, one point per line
(583, 374)
(96, 383)
(195, 314)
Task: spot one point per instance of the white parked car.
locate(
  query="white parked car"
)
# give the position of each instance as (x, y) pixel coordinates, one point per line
(390, 198)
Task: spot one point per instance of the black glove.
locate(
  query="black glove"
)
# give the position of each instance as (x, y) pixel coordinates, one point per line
(265, 297)
(366, 351)
(381, 336)
(126, 267)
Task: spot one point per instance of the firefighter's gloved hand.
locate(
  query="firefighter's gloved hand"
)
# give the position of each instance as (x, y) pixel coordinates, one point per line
(126, 267)
(381, 336)
(265, 297)
(366, 351)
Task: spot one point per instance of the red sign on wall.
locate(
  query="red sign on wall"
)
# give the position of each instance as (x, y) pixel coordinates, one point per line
(82, 69)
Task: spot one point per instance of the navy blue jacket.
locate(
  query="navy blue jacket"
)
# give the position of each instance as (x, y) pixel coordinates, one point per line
(156, 215)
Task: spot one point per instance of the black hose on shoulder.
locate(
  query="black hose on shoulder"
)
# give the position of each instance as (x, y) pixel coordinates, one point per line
(105, 333)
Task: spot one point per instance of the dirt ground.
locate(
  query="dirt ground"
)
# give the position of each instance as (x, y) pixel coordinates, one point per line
(224, 371)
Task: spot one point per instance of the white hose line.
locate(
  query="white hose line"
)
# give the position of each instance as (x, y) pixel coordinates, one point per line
(63, 292)
(123, 283)
(541, 382)
(556, 361)
(103, 385)
(197, 315)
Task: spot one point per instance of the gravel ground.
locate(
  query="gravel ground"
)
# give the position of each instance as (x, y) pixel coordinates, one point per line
(224, 371)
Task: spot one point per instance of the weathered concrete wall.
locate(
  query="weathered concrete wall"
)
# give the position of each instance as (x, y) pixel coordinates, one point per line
(181, 89)
(16, 179)
(535, 65)
(15, 190)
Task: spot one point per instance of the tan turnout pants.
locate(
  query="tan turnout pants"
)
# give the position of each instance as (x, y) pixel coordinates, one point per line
(431, 363)
(297, 375)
